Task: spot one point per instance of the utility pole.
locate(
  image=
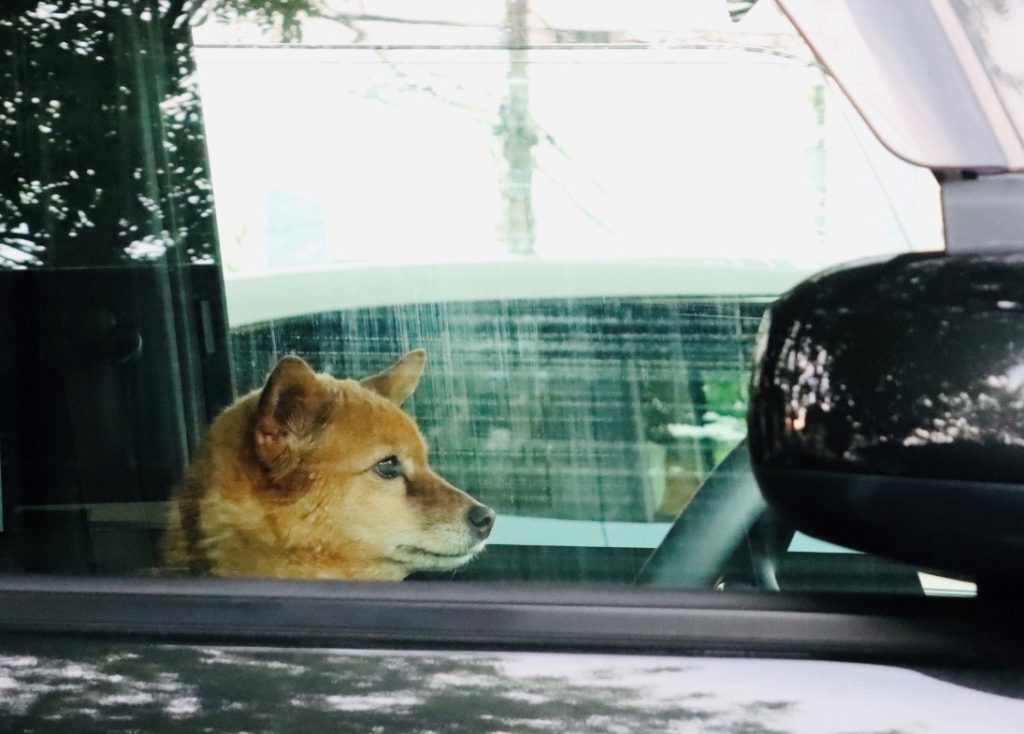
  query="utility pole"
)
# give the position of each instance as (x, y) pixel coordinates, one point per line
(516, 131)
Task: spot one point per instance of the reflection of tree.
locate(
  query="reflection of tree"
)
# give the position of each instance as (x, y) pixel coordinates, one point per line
(978, 16)
(75, 686)
(101, 131)
(100, 136)
(109, 163)
(283, 16)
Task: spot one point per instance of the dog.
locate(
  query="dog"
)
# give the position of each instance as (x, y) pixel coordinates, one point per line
(321, 478)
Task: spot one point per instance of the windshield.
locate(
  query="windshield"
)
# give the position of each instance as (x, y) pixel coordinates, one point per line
(351, 292)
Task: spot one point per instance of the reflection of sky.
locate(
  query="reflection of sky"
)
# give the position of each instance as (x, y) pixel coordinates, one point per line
(642, 154)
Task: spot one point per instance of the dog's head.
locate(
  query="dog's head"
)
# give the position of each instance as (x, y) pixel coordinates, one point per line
(352, 469)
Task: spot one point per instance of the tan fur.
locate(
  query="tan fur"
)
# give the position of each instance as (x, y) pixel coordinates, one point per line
(284, 485)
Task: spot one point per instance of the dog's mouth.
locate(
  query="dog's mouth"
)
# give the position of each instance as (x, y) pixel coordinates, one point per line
(434, 554)
(426, 559)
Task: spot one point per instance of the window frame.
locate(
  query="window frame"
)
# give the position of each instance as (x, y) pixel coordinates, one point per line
(436, 615)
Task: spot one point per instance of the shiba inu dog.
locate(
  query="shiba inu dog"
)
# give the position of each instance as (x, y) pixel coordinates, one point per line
(317, 477)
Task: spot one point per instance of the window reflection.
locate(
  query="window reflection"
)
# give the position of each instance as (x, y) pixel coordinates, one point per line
(578, 213)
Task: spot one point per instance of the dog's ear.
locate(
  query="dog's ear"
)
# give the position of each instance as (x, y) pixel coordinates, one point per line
(290, 405)
(398, 381)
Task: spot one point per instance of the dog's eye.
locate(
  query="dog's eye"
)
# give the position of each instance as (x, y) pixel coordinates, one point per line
(389, 468)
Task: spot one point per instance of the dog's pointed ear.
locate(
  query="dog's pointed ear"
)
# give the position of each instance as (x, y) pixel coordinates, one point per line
(289, 405)
(398, 381)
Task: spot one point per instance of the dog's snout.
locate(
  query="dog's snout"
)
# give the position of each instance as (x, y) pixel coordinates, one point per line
(481, 519)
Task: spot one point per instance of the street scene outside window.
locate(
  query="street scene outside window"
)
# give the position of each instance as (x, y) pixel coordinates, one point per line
(484, 279)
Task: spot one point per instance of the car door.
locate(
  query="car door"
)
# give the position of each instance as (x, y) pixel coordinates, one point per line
(583, 230)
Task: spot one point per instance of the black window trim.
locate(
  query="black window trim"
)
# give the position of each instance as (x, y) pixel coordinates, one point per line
(438, 615)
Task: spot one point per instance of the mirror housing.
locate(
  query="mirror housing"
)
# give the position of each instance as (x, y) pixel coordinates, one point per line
(887, 410)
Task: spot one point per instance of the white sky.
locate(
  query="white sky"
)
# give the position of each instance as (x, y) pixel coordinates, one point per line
(656, 152)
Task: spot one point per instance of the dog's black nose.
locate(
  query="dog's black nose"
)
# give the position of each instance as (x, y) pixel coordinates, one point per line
(481, 519)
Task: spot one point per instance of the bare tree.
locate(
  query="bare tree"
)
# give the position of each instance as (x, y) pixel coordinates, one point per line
(121, 152)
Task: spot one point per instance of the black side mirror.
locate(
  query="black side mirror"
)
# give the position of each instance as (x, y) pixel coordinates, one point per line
(887, 411)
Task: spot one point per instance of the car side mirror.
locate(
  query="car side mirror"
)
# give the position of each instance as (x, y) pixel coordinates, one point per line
(887, 411)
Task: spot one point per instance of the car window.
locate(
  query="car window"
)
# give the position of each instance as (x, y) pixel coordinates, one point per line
(579, 216)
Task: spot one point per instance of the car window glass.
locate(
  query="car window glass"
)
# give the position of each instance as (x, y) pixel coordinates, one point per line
(580, 217)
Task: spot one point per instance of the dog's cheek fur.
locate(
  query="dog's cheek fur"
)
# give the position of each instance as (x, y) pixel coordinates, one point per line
(361, 509)
(427, 513)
